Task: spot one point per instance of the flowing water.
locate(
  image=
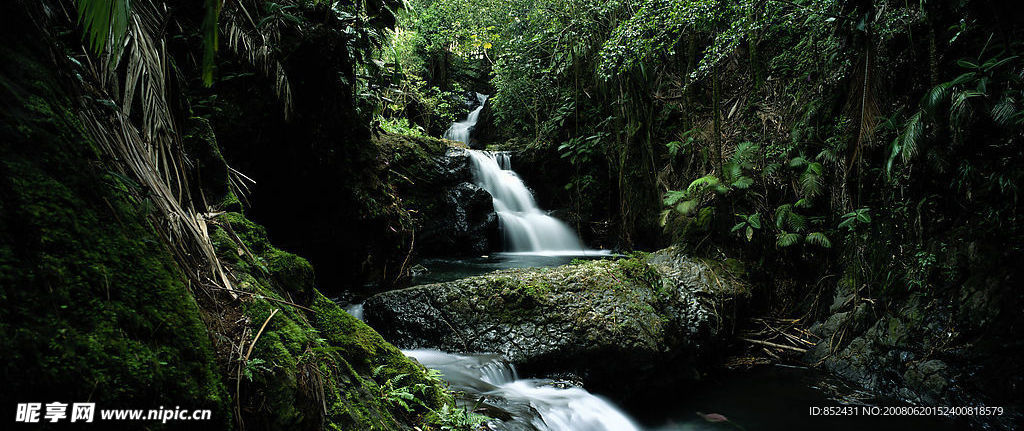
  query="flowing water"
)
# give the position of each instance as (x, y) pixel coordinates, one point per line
(459, 130)
(525, 404)
(768, 398)
(526, 228)
(765, 398)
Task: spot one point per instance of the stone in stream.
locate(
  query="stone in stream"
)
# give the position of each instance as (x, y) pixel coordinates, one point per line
(611, 322)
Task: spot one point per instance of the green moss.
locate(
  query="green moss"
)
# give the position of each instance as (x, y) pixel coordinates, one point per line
(313, 366)
(636, 268)
(255, 254)
(366, 350)
(95, 307)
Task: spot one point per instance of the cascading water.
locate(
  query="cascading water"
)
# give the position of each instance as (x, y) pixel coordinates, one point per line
(527, 229)
(535, 404)
(459, 130)
(525, 226)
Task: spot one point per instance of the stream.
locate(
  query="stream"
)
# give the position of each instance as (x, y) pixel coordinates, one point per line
(767, 398)
(763, 398)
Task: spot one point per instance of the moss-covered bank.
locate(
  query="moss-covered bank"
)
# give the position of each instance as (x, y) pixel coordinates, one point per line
(95, 308)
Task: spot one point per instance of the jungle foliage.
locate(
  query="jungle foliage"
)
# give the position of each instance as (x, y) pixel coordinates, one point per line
(859, 132)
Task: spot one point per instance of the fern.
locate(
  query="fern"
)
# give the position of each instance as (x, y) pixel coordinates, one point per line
(703, 183)
(673, 196)
(786, 239)
(743, 183)
(798, 162)
(819, 239)
(687, 207)
(811, 180)
(705, 217)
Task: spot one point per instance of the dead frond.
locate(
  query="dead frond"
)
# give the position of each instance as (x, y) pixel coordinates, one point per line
(253, 42)
(127, 114)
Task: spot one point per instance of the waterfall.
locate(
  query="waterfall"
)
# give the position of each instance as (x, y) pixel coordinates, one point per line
(526, 228)
(533, 403)
(459, 130)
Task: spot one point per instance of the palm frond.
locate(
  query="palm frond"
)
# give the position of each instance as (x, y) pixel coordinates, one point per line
(786, 239)
(105, 23)
(961, 111)
(253, 43)
(1004, 112)
(930, 103)
(911, 136)
(145, 144)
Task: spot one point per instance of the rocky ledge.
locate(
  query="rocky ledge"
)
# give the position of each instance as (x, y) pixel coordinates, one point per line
(590, 319)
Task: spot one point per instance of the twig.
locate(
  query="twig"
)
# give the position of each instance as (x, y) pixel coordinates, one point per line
(254, 340)
(267, 298)
(777, 346)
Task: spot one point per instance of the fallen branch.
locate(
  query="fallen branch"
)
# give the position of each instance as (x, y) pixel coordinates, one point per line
(267, 298)
(254, 340)
(777, 346)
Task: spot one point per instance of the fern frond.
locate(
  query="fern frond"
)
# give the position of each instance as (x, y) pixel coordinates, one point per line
(705, 217)
(786, 239)
(743, 183)
(701, 184)
(686, 207)
(819, 239)
(770, 169)
(811, 180)
(911, 136)
(781, 214)
(673, 196)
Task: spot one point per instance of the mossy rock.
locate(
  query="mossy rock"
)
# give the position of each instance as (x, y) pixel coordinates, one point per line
(312, 365)
(95, 308)
(590, 318)
(245, 245)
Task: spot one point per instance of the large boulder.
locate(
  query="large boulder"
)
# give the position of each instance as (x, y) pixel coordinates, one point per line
(454, 217)
(467, 224)
(646, 314)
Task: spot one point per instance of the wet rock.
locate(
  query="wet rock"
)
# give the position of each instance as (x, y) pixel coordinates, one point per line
(485, 132)
(928, 378)
(593, 319)
(456, 217)
(935, 347)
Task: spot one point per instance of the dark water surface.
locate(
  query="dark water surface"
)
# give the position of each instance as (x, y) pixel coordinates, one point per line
(772, 398)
